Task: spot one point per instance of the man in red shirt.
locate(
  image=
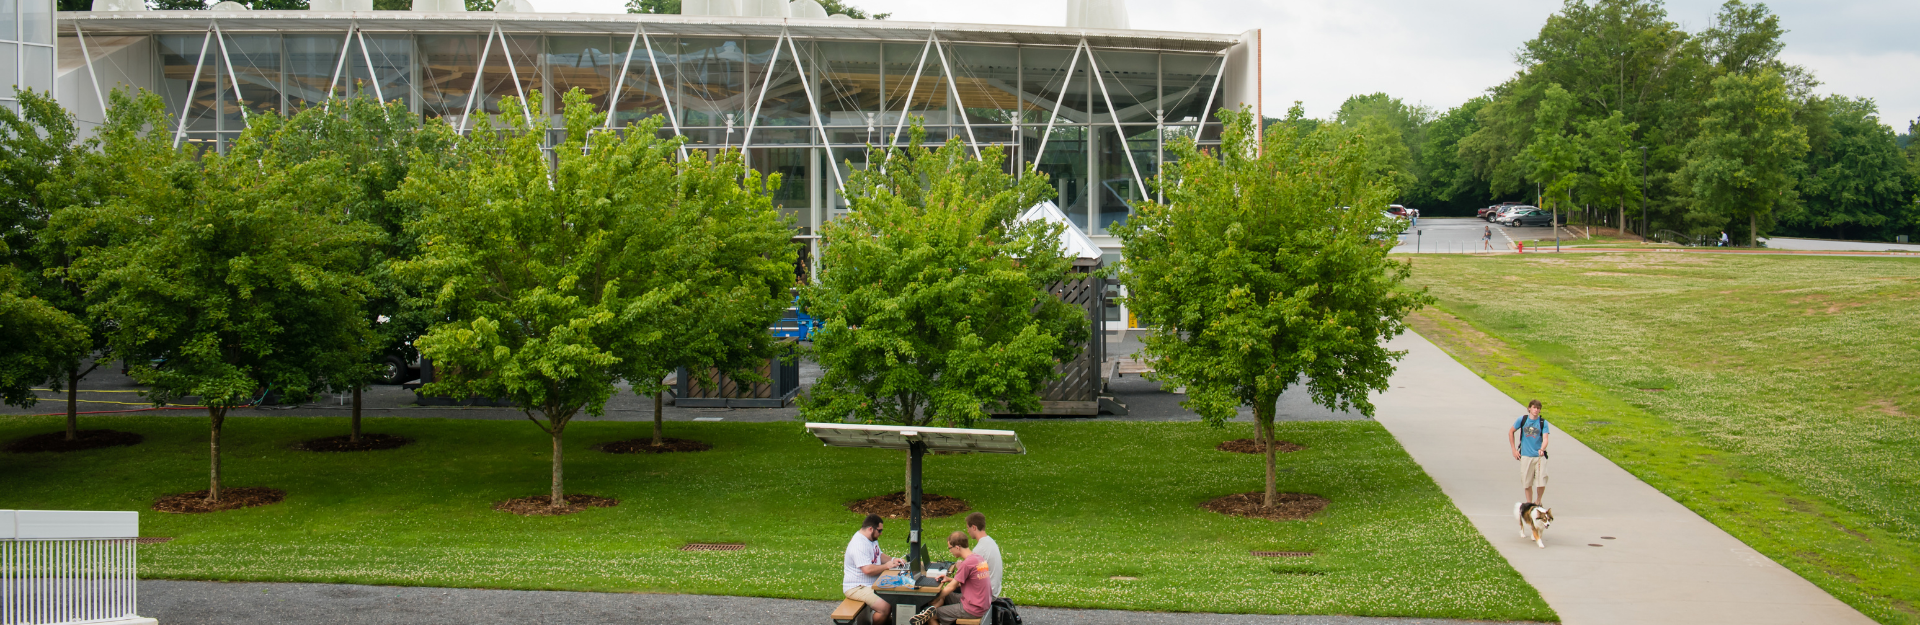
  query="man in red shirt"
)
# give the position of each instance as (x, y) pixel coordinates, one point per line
(974, 580)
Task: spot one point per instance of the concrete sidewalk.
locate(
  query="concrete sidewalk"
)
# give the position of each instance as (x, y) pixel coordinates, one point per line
(218, 603)
(1663, 564)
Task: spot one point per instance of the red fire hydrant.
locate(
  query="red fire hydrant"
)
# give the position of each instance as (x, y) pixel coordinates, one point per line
(1521, 245)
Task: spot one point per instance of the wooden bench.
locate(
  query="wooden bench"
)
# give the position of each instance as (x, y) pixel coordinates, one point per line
(849, 612)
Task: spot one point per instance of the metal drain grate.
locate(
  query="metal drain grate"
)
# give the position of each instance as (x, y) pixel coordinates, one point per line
(152, 540)
(1282, 554)
(713, 547)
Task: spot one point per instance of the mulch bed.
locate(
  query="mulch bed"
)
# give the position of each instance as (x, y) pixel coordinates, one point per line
(368, 442)
(540, 505)
(895, 506)
(1286, 506)
(1250, 446)
(646, 446)
(230, 499)
(87, 439)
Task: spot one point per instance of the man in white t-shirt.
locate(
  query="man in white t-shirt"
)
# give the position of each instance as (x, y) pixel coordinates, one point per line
(864, 564)
(985, 547)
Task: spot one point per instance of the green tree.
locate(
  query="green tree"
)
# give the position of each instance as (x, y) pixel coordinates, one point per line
(1554, 158)
(1447, 179)
(932, 298)
(40, 340)
(560, 272)
(377, 146)
(1397, 132)
(237, 280)
(1611, 175)
(40, 171)
(1254, 279)
(1745, 162)
(1855, 181)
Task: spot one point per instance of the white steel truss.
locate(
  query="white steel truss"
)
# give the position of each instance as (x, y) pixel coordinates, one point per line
(91, 76)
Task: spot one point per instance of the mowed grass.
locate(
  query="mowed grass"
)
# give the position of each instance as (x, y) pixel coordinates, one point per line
(1777, 396)
(1090, 501)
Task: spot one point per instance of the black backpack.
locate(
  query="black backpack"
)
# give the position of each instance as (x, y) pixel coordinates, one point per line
(1003, 612)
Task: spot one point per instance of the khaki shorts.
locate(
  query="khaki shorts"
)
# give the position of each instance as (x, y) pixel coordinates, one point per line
(864, 594)
(1533, 472)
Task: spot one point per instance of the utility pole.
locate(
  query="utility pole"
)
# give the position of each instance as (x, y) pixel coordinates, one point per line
(1643, 194)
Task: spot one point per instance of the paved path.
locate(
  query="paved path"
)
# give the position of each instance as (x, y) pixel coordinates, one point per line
(1665, 565)
(217, 603)
(1784, 243)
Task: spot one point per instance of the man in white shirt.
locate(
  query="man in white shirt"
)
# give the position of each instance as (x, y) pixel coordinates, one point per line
(864, 564)
(985, 547)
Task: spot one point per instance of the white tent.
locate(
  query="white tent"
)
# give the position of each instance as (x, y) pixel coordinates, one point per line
(1073, 242)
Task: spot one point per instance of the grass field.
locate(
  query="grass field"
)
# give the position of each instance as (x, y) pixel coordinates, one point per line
(1088, 502)
(1777, 396)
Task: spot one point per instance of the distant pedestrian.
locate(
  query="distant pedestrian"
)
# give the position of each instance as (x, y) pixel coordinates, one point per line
(1723, 238)
(1486, 239)
(1528, 440)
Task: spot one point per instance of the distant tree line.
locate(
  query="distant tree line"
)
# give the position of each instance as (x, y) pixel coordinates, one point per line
(1734, 139)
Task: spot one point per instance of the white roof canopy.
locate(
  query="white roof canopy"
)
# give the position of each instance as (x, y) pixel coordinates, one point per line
(1073, 242)
(957, 440)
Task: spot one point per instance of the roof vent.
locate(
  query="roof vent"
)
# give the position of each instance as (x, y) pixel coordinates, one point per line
(440, 6)
(228, 5)
(513, 6)
(764, 8)
(1110, 14)
(712, 8)
(806, 10)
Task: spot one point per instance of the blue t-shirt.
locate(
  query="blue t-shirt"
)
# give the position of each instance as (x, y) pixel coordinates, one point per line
(1532, 432)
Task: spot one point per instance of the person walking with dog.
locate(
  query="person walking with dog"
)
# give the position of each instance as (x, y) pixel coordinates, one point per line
(1528, 441)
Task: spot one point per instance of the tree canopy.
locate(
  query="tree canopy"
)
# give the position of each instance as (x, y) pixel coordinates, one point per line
(1256, 276)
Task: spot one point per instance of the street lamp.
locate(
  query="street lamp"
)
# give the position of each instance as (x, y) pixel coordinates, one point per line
(1643, 194)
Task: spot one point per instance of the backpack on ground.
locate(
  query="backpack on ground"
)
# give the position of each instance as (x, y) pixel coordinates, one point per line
(1003, 612)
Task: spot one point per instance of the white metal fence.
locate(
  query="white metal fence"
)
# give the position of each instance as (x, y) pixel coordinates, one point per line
(60, 566)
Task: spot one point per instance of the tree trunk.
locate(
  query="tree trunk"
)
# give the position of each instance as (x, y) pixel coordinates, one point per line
(73, 401)
(1263, 424)
(219, 417)
(659, 401)
(1753, 230)
(354, 436)
(559, 498)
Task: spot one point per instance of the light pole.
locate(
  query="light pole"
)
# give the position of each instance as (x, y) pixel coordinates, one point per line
(1643, 194)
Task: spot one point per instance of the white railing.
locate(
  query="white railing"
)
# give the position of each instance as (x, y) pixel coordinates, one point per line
(60, 566)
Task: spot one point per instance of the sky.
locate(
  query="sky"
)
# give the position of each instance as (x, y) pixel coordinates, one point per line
(1439, 54)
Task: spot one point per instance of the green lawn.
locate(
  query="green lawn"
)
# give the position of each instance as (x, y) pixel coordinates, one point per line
(1088, 502)
(1777, 396)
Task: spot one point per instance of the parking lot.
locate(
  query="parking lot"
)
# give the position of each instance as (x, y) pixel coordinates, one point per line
(1462, 235)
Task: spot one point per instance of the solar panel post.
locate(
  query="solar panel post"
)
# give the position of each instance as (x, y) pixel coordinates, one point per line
(916, 549)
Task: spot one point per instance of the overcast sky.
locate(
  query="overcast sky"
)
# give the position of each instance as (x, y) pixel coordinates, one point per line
(1443, 53)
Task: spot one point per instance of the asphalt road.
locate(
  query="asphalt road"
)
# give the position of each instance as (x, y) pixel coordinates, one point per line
(221, 603)
(1462, 235)
(1826, 245)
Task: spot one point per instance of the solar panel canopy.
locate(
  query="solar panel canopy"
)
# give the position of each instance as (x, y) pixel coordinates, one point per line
(961, 440)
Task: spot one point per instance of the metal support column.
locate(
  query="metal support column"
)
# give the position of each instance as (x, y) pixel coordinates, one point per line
(907, 107)
(953, 91)
(91, 77)
(916, 548)
(180, 132)
(479, 72)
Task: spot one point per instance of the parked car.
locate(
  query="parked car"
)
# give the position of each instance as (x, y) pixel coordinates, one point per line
(1531, 217)
(1490, 212)
(1506, 213)
(1403, 212)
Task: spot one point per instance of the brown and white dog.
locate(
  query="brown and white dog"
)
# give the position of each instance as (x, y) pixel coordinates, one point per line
(1534, 520)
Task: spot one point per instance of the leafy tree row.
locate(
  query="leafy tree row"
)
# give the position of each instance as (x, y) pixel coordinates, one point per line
(1615, 102)
(531, 269)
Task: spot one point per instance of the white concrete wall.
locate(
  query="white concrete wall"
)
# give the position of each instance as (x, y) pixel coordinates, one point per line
(121, 62)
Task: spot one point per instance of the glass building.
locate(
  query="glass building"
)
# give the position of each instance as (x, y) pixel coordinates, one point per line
(1093, 109)
(26, 47)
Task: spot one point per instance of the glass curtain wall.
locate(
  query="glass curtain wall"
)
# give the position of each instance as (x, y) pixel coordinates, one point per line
(1007, 94)
(26, 47)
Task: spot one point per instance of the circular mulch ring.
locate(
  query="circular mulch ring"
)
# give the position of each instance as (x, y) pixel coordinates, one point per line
(541, 505)
(895, 506)
(86, 439)
(1250, 446)
(230, 499)
(368, 442)
(646, 446)
(1286, 506)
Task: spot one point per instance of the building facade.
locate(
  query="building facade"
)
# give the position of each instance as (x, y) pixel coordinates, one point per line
(26, 47)
(1094, 109)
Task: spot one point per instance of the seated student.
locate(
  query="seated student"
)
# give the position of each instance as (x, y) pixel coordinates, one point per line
(985, 547)
(863, 565)
(970, 576)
